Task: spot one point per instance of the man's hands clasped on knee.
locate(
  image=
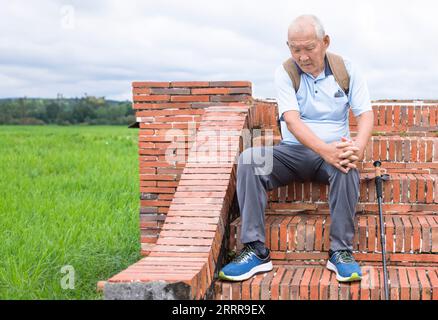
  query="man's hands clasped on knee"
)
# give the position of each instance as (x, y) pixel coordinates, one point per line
(351, 153)
(343, 155)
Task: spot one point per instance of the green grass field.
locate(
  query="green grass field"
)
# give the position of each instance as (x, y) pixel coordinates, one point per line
(68, 196)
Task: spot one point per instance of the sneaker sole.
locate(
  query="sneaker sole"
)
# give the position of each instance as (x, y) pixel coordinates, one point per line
(266, 267)
(354, 276)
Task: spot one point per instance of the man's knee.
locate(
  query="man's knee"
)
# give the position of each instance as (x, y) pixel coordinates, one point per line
(353, 174)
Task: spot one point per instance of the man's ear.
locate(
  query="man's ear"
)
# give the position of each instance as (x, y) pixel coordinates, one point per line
(326, 41)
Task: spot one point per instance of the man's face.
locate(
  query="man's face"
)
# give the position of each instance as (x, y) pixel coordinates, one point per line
(308, 51)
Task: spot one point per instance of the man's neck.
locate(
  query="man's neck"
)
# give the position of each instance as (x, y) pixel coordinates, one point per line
(318, 72)
(321, 69)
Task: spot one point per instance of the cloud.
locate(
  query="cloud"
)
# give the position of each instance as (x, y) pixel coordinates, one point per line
(99, 47)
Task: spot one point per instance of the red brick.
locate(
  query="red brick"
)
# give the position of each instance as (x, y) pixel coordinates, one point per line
(149, 106)
(429, 152)
(145, 84)
(246, 90)
(433, 276)
(285, 285)
(165, 98)
(137, 91)
(315, 283)
(275, 285)
(212, 91)
(407, 226)
(305, 284)
(255, 287)
(265, 293)
(230, 84)
(422, 152)
(229, 98)
(165, 197)
(171, 91)
(410, 116)
(432, 119)
(416, 236)
(246, 289)
(148, 183)
(275, 230)
(189, 84)
(295, 285)
(426, 289)
(413, 280)
(155, 203)
(156, 113)
(283, 233)
(190, 98)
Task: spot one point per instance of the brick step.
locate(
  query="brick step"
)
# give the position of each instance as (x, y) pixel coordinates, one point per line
(303, 236)
(393, 149)
(407, 118)
(399, 167)
(403, 188)
(402, 149)
(319, 283)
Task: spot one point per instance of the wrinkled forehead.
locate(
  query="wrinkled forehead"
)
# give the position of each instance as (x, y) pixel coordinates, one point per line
(301, 42)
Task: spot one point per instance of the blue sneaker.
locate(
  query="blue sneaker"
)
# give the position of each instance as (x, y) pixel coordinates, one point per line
(246, 265)
(346, 268)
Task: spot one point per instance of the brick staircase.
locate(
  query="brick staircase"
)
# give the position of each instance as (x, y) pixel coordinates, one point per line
(189, 214)
(298, 223)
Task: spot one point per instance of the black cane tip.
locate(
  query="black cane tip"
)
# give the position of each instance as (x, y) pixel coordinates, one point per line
(377, 163)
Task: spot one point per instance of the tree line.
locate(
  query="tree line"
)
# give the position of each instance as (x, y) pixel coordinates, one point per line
(61, 111)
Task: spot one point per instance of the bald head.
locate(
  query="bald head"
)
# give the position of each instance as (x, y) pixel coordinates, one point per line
(308, 43)
(306, 25)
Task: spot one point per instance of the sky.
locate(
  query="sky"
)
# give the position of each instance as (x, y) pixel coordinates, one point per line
(99, 47)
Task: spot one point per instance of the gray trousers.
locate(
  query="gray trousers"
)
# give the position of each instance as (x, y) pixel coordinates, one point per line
(262, 169)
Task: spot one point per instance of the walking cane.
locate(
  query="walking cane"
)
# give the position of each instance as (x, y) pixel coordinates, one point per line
(379, 181)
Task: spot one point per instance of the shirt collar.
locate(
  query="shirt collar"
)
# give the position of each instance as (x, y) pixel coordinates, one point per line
(327, 70)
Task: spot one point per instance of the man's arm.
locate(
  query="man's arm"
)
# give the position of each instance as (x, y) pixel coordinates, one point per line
(302, 132)
(329, 152)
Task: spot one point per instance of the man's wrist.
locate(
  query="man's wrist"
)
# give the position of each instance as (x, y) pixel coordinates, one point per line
(321, 148)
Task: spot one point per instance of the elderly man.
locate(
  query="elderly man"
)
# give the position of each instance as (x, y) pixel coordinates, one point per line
(316, 146)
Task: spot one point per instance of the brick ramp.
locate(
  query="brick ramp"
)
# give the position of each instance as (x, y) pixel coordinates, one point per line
(169, 114)
(182, 264)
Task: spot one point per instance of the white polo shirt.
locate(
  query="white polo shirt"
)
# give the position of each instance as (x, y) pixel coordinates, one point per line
(322, 104)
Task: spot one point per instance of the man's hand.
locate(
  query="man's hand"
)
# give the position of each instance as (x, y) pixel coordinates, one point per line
(340, 157)
(343, 155)
(351, 153)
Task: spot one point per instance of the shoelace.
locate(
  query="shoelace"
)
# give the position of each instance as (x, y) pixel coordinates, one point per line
(246, 253)
(344, 257)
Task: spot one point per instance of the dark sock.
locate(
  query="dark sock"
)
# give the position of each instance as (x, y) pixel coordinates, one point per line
(259, 248)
